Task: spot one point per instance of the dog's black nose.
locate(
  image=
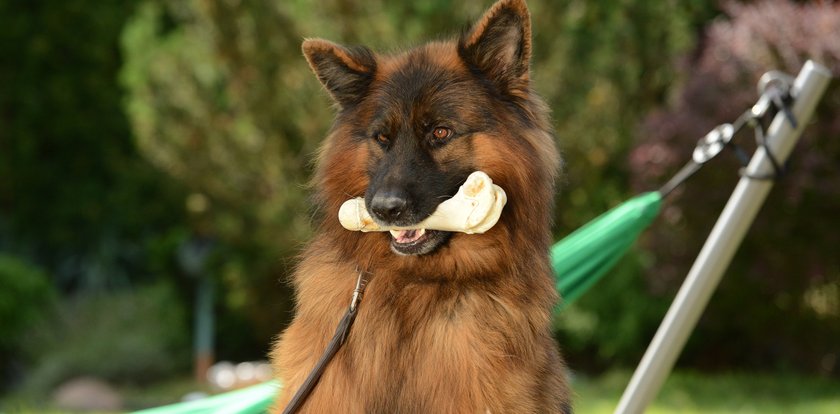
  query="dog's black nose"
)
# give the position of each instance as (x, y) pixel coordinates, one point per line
(388, 205)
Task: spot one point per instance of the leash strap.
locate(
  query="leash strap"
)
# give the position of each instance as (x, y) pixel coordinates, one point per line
(338, 339)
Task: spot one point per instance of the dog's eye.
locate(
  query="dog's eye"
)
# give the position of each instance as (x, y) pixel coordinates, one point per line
(382, 139)
(441, 133)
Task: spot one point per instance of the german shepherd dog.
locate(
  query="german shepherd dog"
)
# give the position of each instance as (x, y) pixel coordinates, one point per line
(450, 322)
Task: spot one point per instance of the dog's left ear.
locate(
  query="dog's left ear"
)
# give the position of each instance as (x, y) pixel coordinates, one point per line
(499, 44)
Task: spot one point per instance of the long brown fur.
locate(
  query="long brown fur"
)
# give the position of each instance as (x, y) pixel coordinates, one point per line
(466, 328)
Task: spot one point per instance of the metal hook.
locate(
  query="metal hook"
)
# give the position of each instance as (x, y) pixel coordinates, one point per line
(358, 291)
(713, 143)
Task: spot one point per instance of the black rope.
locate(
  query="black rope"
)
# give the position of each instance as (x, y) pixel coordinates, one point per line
(778, 169)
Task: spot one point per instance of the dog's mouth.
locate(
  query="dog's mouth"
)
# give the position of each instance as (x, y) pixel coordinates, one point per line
(417, 241)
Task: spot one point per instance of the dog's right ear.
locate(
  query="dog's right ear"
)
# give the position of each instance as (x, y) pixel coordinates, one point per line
(499, 44)
(345, 72)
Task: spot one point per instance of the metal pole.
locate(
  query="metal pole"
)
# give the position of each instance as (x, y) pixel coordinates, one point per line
(723, 241)
(204, 327)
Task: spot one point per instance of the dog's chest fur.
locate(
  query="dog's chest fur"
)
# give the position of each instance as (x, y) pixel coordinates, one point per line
(423, 346)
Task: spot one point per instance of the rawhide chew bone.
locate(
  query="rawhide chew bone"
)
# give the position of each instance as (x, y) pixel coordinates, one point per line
(474, 209)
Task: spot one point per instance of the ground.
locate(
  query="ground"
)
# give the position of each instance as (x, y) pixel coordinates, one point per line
(684, 392)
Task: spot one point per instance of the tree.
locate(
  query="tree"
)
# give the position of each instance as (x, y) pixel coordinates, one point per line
(75, 197)
(222, 100)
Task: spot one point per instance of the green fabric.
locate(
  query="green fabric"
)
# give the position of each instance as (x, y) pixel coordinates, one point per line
(579, 260)
(583, 257)
(252, 400)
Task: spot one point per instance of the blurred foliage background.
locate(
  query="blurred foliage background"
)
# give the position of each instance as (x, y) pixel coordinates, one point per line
(132, 129)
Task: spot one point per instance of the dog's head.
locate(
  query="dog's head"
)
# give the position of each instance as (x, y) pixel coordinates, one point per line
(422, 115)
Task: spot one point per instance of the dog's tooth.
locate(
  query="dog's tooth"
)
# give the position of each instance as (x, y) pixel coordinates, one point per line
(395, 233)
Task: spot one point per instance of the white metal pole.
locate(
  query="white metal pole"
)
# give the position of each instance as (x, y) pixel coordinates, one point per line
(723, 241)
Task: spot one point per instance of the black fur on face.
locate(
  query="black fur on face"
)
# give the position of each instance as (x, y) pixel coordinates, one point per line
(408, 159)
(423, 117)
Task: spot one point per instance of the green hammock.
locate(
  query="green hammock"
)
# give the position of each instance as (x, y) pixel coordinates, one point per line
(252, 400)
(579, 260)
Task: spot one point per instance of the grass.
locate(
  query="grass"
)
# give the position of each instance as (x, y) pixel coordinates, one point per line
(694, 393)
(685, 393)
(134, 397)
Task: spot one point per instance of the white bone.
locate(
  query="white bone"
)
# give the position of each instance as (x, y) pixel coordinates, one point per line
(474, 209)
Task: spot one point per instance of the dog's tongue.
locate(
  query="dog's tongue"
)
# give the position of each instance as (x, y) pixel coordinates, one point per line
(407, 236)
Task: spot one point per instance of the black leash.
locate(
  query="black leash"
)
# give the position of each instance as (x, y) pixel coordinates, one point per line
(341, 333)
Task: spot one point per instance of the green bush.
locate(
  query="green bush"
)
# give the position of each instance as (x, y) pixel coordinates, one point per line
(125, 337)
(24, 298)
(612, 324)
